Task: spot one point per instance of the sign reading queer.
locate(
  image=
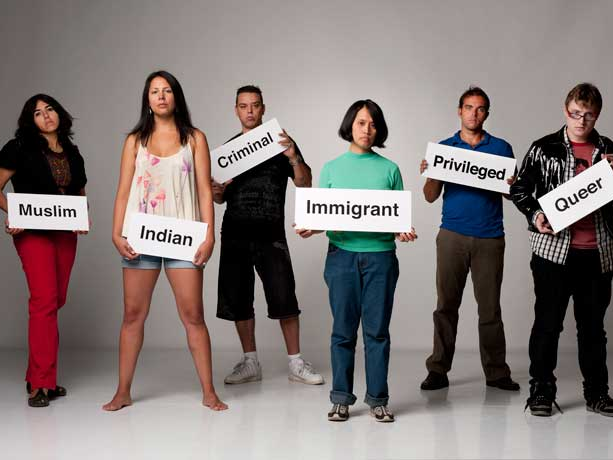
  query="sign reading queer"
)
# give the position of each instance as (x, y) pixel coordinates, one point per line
(47, 212)
(246, 151)
(353, 210)
(578, 197)
(165, 236)
(467, 167)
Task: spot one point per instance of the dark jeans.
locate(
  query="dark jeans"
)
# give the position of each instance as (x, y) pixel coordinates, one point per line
(361, 287)
(554, 284)
(456, 255)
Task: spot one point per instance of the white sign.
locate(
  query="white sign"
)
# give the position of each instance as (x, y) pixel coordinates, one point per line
(353, 210)
(468, 167)
(165, 236)
(578, 197)
(47, 212)
(246, 151)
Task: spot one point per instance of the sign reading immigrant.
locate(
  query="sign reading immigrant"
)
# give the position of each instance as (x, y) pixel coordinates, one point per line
(353, 210)
(468, 167)
(166, 237)
(578, 197)
(246, 151)
(47, 212)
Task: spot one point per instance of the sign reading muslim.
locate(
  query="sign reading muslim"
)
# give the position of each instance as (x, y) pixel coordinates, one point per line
(47, 212)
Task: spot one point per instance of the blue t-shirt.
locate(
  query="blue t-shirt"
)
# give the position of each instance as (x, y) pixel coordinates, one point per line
(472, 211)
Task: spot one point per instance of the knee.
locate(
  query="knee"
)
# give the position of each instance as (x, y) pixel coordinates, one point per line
(134, 314)
(193, 317)
(43, 304)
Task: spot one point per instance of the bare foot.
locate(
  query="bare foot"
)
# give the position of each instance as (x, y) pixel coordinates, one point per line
(212, 401)
(118, 402)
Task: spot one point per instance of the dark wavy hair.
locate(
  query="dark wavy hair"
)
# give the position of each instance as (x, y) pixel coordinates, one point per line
(345, 131)
(146, 123)
(27, 131)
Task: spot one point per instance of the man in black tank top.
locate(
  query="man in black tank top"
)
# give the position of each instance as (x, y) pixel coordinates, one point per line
(253, 236)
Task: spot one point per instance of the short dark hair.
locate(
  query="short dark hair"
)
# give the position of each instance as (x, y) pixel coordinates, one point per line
(146, 123)
(27, 131)
(474, 91)
(249, 89)
(345, 131)
(585, 93)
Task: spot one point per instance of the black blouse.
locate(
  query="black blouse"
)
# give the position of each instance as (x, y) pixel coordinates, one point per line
(33, 173)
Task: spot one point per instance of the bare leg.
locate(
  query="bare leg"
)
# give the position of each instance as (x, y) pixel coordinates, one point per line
(291, 334)
(246, 334)
(186, 285)
(138, 288)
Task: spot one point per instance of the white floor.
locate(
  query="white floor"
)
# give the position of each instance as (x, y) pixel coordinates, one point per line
(276, 419)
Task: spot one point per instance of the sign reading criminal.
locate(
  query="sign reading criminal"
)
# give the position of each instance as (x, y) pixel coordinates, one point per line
(246, 151)
(578, 197)
(468, 167)
(47, 212)
(165, 236)
(353, 210)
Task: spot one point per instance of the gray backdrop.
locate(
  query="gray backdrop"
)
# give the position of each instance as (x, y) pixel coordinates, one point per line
(312, 60)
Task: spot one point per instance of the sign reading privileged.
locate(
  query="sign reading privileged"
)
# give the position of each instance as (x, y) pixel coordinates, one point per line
(47, 212)
(468, 167)
(579, 196)
(246, 151)
(353, 210)
(165, 237)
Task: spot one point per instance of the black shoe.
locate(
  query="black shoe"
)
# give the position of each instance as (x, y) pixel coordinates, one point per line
(542, 397)
(503, 383)
(435, 381)
(602, 405)
(56, 393)
(40, 399)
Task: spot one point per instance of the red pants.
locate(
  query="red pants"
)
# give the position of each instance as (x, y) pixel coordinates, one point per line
(47, 259)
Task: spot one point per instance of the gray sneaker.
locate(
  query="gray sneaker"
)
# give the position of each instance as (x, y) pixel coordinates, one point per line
(246, 370)
(382, 414)
(338, 413)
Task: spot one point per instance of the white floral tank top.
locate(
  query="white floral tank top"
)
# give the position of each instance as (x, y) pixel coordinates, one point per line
(164, 186)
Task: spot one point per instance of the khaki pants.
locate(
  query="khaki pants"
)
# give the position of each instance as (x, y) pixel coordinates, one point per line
(456, 255)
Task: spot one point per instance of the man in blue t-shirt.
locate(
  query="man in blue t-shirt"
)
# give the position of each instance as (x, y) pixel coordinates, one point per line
(471, 238)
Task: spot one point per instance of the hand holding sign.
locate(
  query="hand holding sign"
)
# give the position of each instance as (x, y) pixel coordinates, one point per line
(123, 248)
(286, 141)
(203, 253)
(11, 231)
(542, 224)
(405, 237)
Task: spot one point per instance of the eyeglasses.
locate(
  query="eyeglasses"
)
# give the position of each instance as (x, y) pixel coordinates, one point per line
(587, 116)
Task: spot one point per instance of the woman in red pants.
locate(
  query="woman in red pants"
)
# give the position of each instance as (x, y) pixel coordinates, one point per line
(42, 159)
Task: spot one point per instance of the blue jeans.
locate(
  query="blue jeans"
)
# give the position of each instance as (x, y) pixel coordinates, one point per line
(361, 287)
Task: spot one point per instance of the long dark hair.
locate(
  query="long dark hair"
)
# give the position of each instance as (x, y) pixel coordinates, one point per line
(146, 123)
(27, 131)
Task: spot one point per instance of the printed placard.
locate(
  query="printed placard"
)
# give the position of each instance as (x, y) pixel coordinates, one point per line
(468, 167)
(578, 197)
(246, 151)
(47, 212)
(165, 236)
(353, 210)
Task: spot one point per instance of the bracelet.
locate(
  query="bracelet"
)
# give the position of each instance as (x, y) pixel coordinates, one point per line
(297, 161)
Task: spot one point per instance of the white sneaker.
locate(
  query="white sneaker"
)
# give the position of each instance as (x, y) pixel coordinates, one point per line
(302, 371)
(246, 370)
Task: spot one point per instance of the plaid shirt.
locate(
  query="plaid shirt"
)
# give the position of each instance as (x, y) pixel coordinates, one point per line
(549, 163)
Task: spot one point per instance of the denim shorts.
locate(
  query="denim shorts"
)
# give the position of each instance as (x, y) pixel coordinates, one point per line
(145, 262)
